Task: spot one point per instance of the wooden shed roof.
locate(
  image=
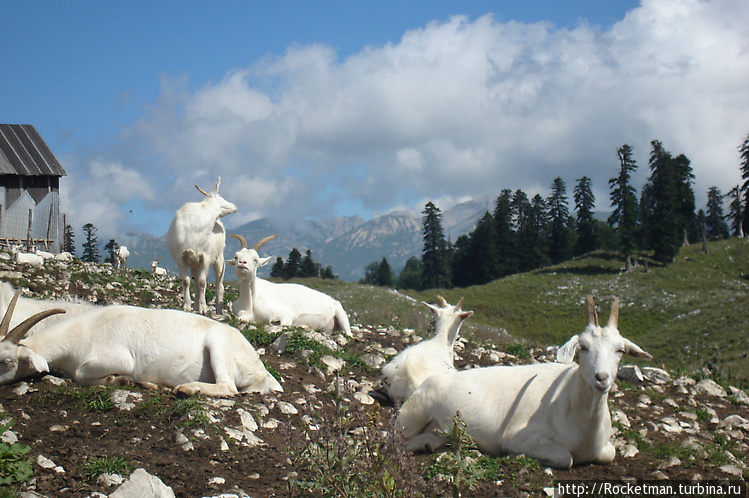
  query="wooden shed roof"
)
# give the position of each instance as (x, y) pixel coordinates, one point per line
(24, 153)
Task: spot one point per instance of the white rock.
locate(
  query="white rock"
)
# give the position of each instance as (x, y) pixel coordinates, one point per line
(287, 408)
(141, 483)
(363, 398)
(109, 480)
(739, 395)
(669, 462)
(735, 420)
(248, 422)
(46, 463)
(732, 469)
(334, 364)
(710, 388)
(216, 481)
(621, 417)
(9, 437)
(655, 375)
(630, 373)
(21, 389)
(629, 451)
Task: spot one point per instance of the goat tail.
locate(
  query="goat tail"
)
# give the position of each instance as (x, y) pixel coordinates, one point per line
(341, 319)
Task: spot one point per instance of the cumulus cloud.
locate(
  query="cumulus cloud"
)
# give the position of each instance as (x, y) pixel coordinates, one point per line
(460, 108)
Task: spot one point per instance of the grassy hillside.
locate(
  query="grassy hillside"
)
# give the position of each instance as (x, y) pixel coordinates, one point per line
(691, 315)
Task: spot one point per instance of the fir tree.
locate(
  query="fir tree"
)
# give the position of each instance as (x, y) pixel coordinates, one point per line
(384, 274)
(410, 275)
(715, 221)
(505, 235)
(308, 267)
(291, 268)
(276, 270)
(533, 236)
(585, 225)
(69, 240)
(744, 154)
(91, 245)
(624, 201)
(111, 249)
(736, 212)
(561, 235)
(435, 256)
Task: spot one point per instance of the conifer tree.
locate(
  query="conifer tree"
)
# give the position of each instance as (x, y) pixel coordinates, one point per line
(410, 275)
(744, 154)
(561, 235)
(585, 225)
(91, 245)
(533, 235)
(624, 201)
(292, 265)
(435, 257)
(715, 220)
(111, 249)
(276, 270)
(736, 212)
(69, 240)
(505, 235)
(308, 267)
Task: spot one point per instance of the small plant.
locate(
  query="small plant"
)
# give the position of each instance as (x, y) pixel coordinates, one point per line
(518, 350)
(14, 467)
(94, 467)
(459, 463)
(351, 456)
(192, 411)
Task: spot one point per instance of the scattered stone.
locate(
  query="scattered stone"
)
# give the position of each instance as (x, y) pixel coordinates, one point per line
(248, 421)
(141, 483)
(655, 375)
(710, 388)
(364, 398)
(334, 364)
(287, 408)
(668, 463)
(629, 451)
(48, 464)
(732, 469)
(108, 480)
(738, 395)
(630, 373)
(21, 389)
(9, 437)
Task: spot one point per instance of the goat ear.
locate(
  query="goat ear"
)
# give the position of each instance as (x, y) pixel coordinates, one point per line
(567, 352)
(636, 351)
(35, 363)
(465, 314)
(263, 261)
(432, 308)
(215, 187)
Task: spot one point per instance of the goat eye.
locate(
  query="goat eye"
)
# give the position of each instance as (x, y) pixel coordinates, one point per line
(584, 347)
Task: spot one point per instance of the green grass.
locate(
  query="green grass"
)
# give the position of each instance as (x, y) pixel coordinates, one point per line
(691, 315)
(94, 467)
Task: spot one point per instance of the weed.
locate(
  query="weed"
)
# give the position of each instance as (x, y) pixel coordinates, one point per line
(192, 412)
(350, 455)
(518, 350)
(95, 398)
(94, 467)
(14, 466)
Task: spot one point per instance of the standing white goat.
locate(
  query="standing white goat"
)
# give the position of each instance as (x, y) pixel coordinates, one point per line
(196, 240)
(121, 255)
(554, 412)
(415, 364)
(120, 344)
(288, 304)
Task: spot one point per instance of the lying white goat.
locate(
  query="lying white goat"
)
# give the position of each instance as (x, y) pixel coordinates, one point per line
(121, 255)
(554, 412)
(196, 240)
(119, 344)
(29, 258)
(261, 301)
(412, 366)
(156, 270)
(43, 254)
(64, 257)
(26, 308)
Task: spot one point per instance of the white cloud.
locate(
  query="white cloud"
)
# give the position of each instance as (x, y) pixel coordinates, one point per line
(462, 108)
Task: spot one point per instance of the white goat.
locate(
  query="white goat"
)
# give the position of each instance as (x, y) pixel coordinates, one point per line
(554, 412)
(43, 254)
(156, 270)
(121, 255)
(121, 344)
(27, 258)
(196, 240)
(262, 301)
(415, 364)
(64, 257)
(26, 307)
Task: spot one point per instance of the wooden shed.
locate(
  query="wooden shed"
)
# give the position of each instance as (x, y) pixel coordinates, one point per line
(29, 190)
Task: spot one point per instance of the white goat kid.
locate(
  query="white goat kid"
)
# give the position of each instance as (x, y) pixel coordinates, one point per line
(26, 257)
(120, 344)
(288, 304)
(156, 270)
(554, 412)
(415, 364)
(121, 255)
(196, 240)
(26, 308)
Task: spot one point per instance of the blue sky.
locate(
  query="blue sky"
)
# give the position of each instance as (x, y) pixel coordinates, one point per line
(314, 109)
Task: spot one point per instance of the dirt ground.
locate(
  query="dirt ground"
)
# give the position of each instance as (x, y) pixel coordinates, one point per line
(74, 425)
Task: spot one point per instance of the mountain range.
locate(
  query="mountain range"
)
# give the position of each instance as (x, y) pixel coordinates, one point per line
(347, 244)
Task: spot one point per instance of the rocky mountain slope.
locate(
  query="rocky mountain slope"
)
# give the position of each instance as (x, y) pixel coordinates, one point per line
(325, 432)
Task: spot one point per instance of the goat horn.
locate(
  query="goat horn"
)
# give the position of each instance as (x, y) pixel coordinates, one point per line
(201, 190)
(614, 316)
(590, 309)
(442, 301)
(240, 239)
(20, 330)
(5, 324)
(460, 304)
(261, 242)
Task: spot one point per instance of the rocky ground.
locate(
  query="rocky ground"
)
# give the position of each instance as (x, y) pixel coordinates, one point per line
(325, 429)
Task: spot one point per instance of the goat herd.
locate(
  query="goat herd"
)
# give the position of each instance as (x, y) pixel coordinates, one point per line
(554, 412)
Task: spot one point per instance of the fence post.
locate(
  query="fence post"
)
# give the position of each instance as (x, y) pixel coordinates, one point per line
(28, 234)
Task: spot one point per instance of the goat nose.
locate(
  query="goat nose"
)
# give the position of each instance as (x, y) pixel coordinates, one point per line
(602, 376)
